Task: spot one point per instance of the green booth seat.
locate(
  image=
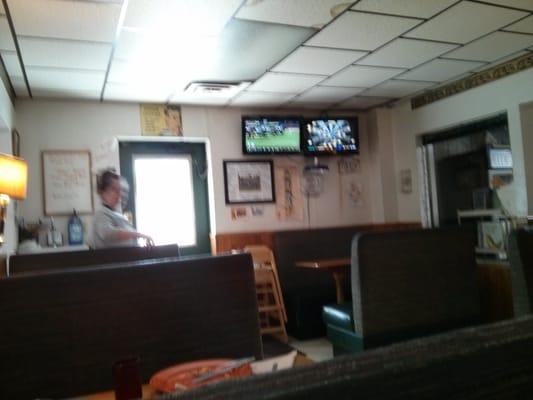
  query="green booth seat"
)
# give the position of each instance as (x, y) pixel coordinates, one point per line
(405, 284)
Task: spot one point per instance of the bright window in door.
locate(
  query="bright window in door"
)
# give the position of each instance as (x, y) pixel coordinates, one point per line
(164, 199)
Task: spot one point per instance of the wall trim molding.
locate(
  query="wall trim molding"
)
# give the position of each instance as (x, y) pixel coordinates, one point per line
(500, 71)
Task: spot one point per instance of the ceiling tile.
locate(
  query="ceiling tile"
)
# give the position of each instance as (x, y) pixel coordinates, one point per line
(309, 13)
(362, 102)
(2, 11)
(501, 60)
(406, 53)
(66, 19)
(137, 92)
(285, 83)
(409, 8)
(248, 98)
(440, 70)
(19, 86)
(492, 47)
(64, 53)
(305, 105)
(12, 63)
(361, 76)
(257, 46)
(327, 94)
(6, 41)
(523, 4)
(398, 88)
(318, 60)
(180, 17)
(66, 93)
(524, 26)
(455, 24)
(66, 80)
(361, 31)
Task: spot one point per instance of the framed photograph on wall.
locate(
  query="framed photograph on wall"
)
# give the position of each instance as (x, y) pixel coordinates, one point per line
(249, 181)
(67, 182)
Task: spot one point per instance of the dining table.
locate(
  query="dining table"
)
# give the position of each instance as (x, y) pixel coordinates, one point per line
(338, 267)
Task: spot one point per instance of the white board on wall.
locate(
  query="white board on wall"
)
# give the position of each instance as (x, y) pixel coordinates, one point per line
(67, 182)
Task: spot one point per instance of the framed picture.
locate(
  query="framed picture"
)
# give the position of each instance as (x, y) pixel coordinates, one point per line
(249, 181)
(67, 182)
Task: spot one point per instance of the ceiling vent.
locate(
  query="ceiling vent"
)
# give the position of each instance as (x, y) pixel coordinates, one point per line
(218, 89)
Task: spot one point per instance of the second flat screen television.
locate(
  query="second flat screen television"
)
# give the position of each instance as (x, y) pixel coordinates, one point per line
(270, 135)
(322, 136)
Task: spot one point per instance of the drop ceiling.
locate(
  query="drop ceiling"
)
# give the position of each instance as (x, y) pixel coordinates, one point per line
(319, 54)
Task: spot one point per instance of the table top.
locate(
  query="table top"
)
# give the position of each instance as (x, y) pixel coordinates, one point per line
(324, 263)
(149, 393)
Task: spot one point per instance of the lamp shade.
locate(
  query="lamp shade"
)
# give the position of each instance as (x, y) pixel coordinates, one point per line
(13, 176)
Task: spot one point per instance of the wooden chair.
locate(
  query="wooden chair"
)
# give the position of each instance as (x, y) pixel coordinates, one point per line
(272, 312)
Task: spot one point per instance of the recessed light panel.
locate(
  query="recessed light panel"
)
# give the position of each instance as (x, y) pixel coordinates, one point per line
(406, 53)
(457, 24)
(361, 76)
(361, 31)
(410, 8)
(317, 60)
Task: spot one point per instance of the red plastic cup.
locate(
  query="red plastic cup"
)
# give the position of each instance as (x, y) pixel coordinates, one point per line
(127, 379)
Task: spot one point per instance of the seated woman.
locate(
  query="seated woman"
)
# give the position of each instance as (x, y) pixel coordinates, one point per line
(111, 228)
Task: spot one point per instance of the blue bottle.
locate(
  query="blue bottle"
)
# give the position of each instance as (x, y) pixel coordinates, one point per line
(75, 229)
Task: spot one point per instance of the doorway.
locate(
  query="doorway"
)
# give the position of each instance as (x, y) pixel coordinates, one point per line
(168, 192)
(456, 169)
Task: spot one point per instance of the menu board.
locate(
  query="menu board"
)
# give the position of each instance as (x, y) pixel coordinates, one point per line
(67, 182)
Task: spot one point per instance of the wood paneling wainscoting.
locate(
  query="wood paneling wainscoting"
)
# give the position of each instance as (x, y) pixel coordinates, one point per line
(223, 242)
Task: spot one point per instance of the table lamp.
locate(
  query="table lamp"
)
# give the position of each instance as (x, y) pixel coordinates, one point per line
(13, 180)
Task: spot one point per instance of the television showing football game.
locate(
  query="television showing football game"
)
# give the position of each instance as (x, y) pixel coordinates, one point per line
(270, 135)
(331, 136)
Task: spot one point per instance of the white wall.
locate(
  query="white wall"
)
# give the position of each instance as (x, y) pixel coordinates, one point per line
(7, 118)
(48, 125)
(504, 95)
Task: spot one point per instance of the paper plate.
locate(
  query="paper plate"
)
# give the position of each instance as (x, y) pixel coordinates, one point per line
(183, 376)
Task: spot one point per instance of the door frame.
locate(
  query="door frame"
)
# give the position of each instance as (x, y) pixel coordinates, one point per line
(208, 159)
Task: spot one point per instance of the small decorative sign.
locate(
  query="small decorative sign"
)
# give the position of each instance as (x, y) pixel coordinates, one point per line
(406, 181)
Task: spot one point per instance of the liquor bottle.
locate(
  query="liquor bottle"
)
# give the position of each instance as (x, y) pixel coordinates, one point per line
(75, 229)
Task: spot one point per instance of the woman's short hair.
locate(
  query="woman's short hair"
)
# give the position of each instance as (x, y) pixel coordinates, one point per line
(106, 179)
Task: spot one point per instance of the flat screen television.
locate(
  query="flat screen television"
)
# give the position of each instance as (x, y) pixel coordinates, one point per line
(323, 136)
(271, 135)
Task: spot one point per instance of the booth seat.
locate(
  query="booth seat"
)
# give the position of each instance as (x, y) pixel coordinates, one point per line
(520, 251)
(42, 262)
(406, 284)
(61, 331)
(475, 363)
(306, 291)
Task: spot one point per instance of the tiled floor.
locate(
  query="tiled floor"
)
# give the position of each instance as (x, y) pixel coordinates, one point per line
(316, 349)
